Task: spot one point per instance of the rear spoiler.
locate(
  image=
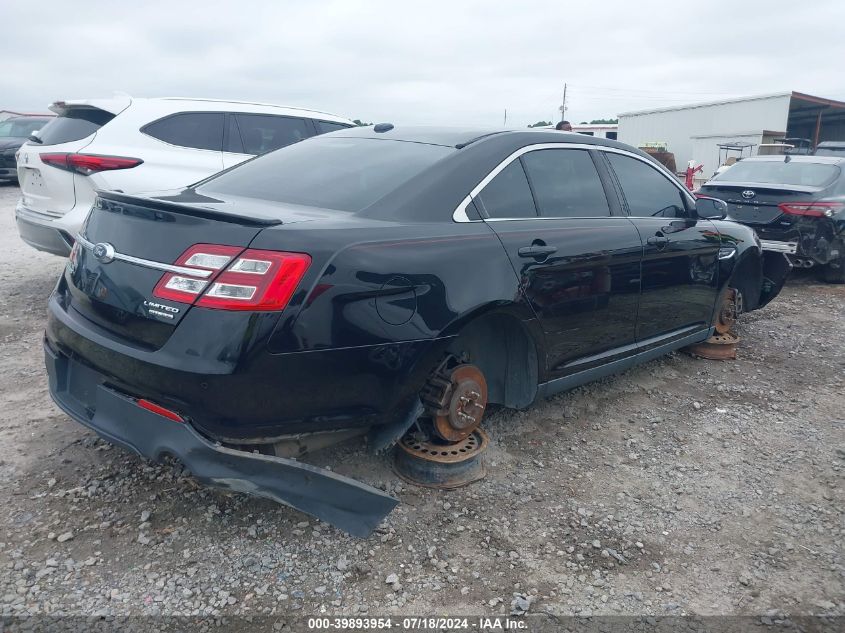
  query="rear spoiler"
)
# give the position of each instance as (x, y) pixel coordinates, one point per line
(114, 105)
(113, 201)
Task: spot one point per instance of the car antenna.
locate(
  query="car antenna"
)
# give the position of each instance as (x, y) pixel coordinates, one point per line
(382, 127)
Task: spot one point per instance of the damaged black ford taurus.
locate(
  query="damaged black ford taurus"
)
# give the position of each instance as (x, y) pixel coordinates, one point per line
(359, 281)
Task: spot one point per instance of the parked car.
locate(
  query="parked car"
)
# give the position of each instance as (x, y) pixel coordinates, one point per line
(796, 204)
(830, 148)
(133, 145)
(321, 288)
(13, 133)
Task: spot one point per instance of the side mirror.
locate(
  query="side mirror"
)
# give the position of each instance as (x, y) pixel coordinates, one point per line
(711, 208)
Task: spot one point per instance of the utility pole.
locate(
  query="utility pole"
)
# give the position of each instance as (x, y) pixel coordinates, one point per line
(563, 105)
(505, 123)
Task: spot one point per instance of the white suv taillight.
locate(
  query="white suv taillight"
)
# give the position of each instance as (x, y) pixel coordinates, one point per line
(87, 164)
(241, 280)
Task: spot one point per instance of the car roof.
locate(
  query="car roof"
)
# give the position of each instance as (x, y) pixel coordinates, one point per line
(796, 158)
(836, 144)
(463, 136)
(246, 106)
(167, 105)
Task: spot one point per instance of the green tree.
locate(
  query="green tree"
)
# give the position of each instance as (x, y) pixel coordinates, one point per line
(541, 124)
(360, 123)
(604, 121)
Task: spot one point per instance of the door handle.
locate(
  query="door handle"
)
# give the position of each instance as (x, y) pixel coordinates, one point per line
(660, 241)
(537, 251)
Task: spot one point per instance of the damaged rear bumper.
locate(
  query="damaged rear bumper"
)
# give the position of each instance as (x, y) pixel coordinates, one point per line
(83, 393)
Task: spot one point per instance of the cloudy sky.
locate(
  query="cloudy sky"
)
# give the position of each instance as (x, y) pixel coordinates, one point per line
(428, 62)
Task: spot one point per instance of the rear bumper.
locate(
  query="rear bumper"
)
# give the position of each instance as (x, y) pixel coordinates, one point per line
(85, 395)
(215, 370)
(41, 232)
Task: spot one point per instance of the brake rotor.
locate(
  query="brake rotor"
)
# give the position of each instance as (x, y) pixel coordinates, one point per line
(726, 319)
(464, 404)
(426, 461)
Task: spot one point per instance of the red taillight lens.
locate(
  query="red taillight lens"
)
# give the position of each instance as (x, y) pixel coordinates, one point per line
(811, 209)
(87, 164)
(160, 410)
(240, 280)
(205, 258)
(257, 280)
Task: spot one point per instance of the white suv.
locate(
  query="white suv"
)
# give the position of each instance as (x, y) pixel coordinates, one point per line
(134, 145)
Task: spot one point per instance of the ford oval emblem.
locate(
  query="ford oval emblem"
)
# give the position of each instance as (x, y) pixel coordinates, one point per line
(748, 194)
(103, 252)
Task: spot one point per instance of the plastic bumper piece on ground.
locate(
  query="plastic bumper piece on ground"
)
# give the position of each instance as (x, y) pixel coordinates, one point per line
(81, 392)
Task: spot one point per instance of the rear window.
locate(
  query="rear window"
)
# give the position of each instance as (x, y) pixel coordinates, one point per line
(73, 125)
(830, 151)
(781, 173)
(346, 174)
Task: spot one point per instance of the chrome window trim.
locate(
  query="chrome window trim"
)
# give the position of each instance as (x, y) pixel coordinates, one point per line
(147, 263)
(460, 213)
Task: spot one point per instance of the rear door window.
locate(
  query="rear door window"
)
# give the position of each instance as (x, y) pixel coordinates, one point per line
(323, 127)
(647, 192)
(262, 133)
(565, 183)
(508, 194)
(198, 130)
(74, 124)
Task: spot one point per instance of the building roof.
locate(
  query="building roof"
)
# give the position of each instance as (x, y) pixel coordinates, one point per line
(707, 104)
(800, 96)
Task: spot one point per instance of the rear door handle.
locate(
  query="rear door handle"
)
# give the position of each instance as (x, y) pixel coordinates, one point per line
(537, 251)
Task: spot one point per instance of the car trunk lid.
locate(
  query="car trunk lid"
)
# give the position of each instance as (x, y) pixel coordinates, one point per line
(127, 245)
(755, 203)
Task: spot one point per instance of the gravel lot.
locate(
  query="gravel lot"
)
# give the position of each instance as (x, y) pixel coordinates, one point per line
(681, 487)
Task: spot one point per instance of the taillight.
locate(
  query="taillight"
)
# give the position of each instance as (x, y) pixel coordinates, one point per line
(249, 280)
(206, 258)
(87, 164)
(811, 209)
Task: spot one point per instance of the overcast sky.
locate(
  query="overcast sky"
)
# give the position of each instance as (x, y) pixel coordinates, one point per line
(427, 62)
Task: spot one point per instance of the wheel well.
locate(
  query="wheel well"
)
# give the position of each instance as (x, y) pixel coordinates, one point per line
(747, 278)
(500, 345)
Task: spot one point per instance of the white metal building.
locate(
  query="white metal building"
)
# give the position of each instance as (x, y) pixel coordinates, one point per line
(693, 132)
(599, 130)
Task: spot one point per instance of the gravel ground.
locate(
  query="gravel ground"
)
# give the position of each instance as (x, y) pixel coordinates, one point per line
(680, 487)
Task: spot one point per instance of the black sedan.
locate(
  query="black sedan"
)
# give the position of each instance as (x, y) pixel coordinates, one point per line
(344, 284)
(14, 132)
(796, 204)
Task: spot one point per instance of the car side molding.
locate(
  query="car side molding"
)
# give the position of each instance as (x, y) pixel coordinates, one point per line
(646, 354)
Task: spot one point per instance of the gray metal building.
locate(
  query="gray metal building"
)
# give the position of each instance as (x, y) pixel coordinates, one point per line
(693, 132)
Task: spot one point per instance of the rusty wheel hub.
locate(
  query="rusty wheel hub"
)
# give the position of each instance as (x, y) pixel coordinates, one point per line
(456, 400)
(427, 461)
(717, 347)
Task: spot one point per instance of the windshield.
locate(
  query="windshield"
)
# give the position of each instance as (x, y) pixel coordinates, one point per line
(20, 128)
(346, 174)
(781, 173)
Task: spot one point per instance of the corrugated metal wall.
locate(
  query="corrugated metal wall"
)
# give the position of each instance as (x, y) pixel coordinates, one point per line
(723, 121)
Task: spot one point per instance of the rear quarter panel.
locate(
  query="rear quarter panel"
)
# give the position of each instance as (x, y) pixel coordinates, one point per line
(379, 282)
